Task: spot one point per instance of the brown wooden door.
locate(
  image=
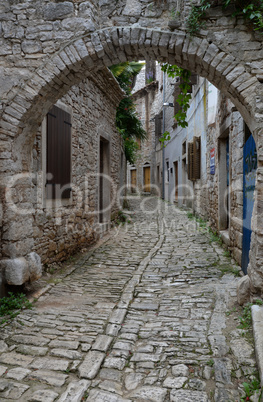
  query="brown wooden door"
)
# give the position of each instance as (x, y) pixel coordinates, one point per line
(147, 179)
(133, 180)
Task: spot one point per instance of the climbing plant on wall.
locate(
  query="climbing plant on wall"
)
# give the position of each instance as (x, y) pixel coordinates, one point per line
(251, 10)
(184, 96)
(127, 121)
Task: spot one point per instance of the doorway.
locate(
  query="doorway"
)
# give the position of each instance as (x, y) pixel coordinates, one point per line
(133, 180)
(104, 181)
(147, 179)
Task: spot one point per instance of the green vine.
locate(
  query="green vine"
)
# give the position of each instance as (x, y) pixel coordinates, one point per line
(184, 97)
(252, 11)
(194, 21)
(127, 121)
(165, 137)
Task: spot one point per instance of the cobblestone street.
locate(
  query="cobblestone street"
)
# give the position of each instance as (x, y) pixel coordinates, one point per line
(148, 315)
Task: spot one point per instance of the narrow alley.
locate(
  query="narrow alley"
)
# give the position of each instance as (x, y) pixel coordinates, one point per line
(150, 314)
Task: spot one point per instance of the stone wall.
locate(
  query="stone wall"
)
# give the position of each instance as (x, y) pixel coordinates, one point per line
(54, 229)
(229, 124)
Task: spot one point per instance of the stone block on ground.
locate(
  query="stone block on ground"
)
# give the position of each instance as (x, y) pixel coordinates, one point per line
(16, 271)
(43, 395)
(188, 396)
(102, 343)
(91, 365)
(75, 391)
(175, 383)
(97, 395)
(180, 370)
(153, 394)
(49, 363)
(12, 390)
(48, 377)
(243, 290)
(17, 373)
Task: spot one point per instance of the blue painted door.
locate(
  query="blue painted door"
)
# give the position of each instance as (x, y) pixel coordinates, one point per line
(249, 180)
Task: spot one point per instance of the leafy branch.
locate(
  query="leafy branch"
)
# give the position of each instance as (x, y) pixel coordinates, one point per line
(194, 21)
(184, 97)
(253, 12)
(165, 137)
(127, 121)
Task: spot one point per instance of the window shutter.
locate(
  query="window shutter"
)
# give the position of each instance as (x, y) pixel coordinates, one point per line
(58, 154)
(196, 158)
(190, 160)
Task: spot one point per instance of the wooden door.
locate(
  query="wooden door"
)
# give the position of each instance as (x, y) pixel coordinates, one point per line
(147, 179)
(133, 180)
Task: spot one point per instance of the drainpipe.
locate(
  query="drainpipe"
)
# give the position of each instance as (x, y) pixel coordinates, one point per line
(163, 130)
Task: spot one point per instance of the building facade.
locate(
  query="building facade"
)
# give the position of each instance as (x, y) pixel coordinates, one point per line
(202, 166)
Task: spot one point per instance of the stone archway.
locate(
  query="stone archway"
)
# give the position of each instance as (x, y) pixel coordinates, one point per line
(80, 58)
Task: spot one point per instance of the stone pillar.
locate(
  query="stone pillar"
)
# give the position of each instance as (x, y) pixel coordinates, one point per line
(18, 200)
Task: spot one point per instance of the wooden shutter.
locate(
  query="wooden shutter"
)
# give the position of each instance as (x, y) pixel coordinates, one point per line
(196, 158)
(58, 154)
(190, 160)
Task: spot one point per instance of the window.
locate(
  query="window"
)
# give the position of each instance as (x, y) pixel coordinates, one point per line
(58, 167)
(194, 159)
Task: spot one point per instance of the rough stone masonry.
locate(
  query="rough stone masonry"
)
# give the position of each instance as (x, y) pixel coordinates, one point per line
(47, 47)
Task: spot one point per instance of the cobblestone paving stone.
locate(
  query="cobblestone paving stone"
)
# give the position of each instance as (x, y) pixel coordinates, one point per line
(143, 317)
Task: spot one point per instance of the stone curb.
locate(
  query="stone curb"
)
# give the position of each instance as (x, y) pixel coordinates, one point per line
(257, 324)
